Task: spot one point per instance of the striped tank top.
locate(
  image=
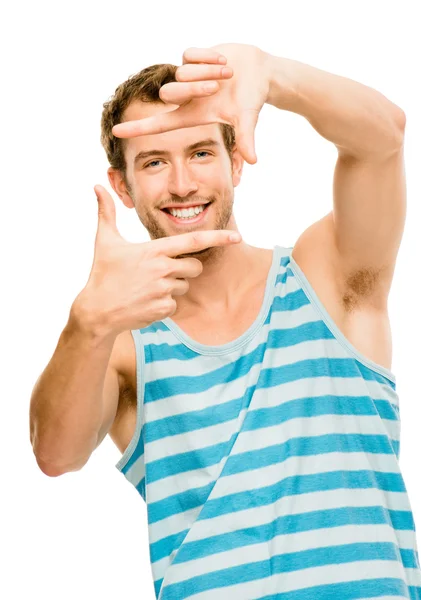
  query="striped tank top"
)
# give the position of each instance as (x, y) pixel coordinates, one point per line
(269, 464)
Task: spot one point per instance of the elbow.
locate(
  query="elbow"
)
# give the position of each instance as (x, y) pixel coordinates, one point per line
(45, 465)
(48, 468)
(53, 470)
(45, 458)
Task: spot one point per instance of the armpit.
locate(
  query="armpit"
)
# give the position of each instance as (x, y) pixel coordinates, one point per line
(360, 286)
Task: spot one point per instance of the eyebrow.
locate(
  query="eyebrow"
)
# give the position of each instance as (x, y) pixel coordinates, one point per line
(147, 153)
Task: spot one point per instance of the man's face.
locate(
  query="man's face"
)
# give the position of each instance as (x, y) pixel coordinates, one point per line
(179, 176)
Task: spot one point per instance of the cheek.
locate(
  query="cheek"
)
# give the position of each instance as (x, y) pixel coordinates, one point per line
(151, 188)
(217, 176)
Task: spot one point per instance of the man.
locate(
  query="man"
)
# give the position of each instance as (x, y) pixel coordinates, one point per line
(256, 411)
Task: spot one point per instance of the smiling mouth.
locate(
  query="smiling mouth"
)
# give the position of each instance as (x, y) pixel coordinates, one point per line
(167, 208)
(194, 219)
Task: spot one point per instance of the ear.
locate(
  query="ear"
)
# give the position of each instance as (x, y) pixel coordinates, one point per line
(116, 179)
(237, 166)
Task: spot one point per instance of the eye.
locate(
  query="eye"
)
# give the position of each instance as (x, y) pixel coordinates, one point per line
(156, 161)
(149, 164)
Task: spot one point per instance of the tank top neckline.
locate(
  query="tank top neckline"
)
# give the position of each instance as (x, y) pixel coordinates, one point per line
(250, 332)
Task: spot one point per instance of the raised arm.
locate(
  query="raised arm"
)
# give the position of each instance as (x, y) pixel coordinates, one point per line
(360, 238)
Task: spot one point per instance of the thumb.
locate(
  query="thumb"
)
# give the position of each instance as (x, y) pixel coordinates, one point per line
(106, 213)
(245, 135)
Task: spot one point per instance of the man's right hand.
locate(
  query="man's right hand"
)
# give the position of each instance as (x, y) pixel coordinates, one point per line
(132, 285)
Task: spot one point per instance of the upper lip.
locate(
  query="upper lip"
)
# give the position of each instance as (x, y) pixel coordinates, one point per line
(184, 205)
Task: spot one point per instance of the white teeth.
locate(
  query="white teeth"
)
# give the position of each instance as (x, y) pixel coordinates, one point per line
(187, 213)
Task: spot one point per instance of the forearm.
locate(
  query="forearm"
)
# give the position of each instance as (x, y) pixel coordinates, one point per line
(359, 120)
(66, 403)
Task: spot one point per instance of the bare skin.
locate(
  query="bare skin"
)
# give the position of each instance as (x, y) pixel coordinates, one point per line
(355, 301)
(366, 329)
(348, 256)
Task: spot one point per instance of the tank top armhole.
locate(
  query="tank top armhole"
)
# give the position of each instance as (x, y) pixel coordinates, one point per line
(140, 383)
(329, 322)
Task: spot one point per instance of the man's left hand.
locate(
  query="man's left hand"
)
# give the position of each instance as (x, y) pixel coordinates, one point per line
(237, 98)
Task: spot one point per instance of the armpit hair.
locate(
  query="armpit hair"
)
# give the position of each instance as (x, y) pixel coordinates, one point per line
(359, 286)
(127, 396)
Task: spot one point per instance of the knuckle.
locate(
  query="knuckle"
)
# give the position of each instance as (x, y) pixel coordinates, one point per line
(168, 306)
(164, 287)
(195, 241)
(185, 284)
(161, 125)
(163, 267)
(180, 74)
(146, 251)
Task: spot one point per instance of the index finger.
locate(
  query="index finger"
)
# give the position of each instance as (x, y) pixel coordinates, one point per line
(149, 125)
(194, 241)
(179, 118)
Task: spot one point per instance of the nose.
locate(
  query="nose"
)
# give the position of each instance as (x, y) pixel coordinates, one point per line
(180, 182)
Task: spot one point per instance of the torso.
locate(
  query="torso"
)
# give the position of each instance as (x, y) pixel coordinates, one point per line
(367, 330)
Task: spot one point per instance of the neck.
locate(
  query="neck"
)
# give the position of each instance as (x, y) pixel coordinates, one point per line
(228, 272)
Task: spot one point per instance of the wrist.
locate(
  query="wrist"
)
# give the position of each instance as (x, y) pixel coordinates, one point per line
(88, 321)
(282, 84)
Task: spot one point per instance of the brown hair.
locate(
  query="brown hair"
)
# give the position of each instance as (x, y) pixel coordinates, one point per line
(143, 86)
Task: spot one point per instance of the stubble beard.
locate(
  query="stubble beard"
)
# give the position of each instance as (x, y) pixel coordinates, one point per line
(222, 210)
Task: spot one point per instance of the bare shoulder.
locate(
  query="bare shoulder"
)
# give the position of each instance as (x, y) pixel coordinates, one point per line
(356, 299)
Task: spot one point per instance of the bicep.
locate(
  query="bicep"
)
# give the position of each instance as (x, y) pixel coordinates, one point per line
(369, 210)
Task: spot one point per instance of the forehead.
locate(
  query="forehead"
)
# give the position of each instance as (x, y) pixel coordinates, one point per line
(171, 141)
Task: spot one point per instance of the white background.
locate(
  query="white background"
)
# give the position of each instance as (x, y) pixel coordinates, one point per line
(84, 534)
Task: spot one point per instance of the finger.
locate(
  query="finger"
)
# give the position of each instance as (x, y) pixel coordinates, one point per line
(179, 286)
(202, 72)
(245, 135)
(106, 206)
(206, 55)
(179, 93)
(168, 121)
(193, 241)
(182, 268)
(106, 210)
(156, 124)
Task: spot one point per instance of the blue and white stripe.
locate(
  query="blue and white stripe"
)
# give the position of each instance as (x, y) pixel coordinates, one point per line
(270, 465)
